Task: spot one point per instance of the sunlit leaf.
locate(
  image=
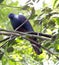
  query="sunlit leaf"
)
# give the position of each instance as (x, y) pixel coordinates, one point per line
(55, 1)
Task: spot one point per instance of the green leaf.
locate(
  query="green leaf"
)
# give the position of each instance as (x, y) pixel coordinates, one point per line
(10, 49)
(4, 61)
(55, 3)
(57, 20)
(32, 15)
(56, 45)
(12, 63)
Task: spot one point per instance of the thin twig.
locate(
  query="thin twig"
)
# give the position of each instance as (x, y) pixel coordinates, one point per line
(42, 47)
(4, 39)
(15, 33)
(9, 6)
(8, 32)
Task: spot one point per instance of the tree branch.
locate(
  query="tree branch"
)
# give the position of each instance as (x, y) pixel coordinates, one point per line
(43, 47)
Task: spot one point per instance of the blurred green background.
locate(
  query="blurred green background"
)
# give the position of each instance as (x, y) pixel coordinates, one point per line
(44, 18)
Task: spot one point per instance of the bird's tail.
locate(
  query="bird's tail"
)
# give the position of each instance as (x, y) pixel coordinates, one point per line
(36, 46)
(37, 49)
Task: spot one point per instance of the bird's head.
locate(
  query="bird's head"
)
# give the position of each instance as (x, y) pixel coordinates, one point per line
(11, 15)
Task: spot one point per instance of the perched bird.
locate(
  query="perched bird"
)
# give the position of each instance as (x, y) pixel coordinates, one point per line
(16, 21)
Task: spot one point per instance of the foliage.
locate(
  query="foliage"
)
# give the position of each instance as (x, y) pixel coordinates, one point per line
(45, 20)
